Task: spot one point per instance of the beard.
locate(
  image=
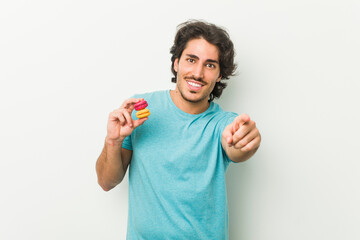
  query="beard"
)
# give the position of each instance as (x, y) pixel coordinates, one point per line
(192, 100)
(205, 95)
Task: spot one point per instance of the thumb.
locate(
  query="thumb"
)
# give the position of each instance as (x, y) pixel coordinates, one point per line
(139, 122)
(228, 134)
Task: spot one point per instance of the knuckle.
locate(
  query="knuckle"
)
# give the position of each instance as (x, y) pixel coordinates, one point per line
(242, 143)
(246, 149)
(236, 134)
(236, 138)
(112, 114)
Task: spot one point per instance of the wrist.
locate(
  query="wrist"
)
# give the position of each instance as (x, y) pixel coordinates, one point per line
(114, 142)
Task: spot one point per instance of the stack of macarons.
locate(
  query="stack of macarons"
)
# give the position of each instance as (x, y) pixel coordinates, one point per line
(141, 108)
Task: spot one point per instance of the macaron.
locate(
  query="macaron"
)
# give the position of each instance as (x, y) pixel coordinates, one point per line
(141, 108)
(143, 113)
(140, 105)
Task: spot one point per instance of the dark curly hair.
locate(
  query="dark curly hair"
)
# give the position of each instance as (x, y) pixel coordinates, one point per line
(215, 35)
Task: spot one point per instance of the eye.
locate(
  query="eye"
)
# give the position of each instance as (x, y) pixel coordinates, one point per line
(210, 65)
(191, 60)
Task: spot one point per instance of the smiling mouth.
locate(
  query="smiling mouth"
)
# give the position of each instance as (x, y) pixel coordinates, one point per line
(197, 85)
(194, 85)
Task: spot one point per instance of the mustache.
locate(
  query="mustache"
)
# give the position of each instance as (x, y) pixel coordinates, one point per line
(195, 78)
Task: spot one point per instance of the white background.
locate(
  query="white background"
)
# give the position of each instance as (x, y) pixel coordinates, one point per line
(64, 65)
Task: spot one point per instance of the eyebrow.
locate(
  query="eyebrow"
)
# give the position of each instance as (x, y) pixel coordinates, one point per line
(207, 60)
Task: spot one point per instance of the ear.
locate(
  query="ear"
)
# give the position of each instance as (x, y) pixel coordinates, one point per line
(219, 78)
(176, 64)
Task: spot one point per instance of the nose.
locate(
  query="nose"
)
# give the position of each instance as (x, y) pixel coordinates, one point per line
(199, 71)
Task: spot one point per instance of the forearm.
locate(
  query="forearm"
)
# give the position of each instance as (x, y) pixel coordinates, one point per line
(109, 166)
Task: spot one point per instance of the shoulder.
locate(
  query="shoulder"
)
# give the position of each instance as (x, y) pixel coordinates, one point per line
(220, 117)
(220, 113)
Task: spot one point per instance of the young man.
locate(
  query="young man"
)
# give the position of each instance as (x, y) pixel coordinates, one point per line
(177, 159)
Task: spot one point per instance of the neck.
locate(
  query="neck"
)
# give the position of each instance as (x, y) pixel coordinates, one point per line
(187, 106)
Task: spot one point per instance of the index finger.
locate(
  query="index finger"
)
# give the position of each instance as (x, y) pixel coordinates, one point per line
(129, 103)
(239, 121)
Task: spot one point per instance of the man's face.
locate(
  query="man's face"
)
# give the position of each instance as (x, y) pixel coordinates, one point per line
(197, 70)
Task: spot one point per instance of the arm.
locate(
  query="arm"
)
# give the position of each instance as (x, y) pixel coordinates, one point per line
(114, 160)
(112, 164)
(241, 139)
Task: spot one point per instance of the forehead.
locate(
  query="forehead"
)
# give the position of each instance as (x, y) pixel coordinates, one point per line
(202, 48)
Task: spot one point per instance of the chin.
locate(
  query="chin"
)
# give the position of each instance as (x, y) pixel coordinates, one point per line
(192, 98)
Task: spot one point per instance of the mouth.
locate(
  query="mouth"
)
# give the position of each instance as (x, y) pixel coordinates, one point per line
(194, 85)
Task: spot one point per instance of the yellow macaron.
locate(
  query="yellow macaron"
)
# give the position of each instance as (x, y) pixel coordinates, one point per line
(143, 113)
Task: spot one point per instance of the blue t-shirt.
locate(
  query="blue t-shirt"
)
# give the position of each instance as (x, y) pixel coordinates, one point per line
(177, 173)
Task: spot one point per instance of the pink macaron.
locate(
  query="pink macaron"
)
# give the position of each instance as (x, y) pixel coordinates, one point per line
(140, 105)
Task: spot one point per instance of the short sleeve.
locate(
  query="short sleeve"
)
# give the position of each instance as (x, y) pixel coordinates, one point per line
(127, 143)
(226, 120)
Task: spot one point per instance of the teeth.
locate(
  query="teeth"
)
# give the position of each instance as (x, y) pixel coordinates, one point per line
(194, 84)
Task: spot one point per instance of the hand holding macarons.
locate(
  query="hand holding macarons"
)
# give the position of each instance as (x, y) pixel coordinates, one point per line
(121, 124)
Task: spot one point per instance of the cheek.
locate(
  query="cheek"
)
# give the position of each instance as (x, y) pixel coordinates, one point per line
(213, 77)
(182, 70)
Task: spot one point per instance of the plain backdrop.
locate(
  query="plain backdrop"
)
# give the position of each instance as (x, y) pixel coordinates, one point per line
(65, 65)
